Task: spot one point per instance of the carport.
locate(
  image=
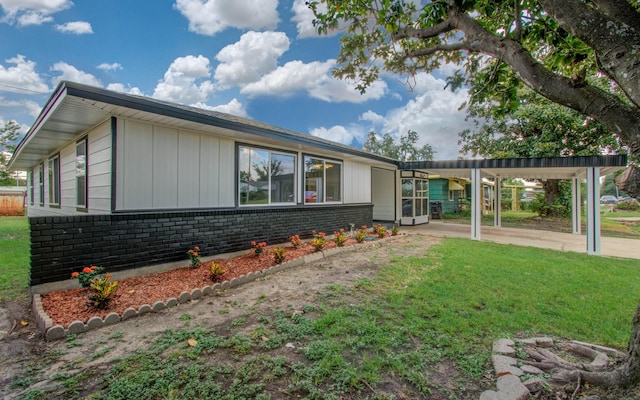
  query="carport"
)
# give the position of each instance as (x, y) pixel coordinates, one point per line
(587, 169)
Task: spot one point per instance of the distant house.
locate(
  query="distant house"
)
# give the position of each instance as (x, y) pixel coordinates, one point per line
(126, 181)
(452, 194)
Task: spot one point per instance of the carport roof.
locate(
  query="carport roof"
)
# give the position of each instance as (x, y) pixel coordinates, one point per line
(526, 168)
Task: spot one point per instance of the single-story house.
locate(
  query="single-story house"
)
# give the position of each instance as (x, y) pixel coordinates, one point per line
(125, 181)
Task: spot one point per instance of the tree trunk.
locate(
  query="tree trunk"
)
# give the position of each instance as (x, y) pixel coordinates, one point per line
(629, 181)
(551, 189)
(627, 374)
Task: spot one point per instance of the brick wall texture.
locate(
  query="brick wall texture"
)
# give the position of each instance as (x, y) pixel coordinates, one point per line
(63, 244)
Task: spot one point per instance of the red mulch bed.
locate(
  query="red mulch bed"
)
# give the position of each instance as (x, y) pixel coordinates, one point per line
(66, 306)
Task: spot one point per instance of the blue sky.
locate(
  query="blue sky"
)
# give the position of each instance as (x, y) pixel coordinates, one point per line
(259, 59)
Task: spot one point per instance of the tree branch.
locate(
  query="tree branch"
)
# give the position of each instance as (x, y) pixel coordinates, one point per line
(620, 10)
(615, 43)
(434, 49)
(589, 100)
(408, 32)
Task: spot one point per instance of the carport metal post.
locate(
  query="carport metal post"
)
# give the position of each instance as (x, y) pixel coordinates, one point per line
(497, 202)
(476, 203)
(593, 211)
(576, 206)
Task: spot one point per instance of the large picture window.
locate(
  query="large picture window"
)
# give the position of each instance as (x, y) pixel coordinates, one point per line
(265, 177)
(81, 174)
(54, 180)
(323, 180)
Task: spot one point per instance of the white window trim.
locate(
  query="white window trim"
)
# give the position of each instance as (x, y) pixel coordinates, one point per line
(324, 180)
(270, 151)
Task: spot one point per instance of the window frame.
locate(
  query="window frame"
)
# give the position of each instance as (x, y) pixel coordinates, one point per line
(271, 152)
(82, 207)
(324, 179)
(31, 187)
(53, 171)
(41, 183)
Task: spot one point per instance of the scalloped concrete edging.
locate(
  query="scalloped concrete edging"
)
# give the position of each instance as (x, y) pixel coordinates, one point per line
(56, 332)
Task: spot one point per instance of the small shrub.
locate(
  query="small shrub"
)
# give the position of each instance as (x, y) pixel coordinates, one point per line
(103, 290)
(339, 237)
(84, 277)
(628, 205)
(258, 247)
(361, 233)
(278, 255)
(380, 230)
(295, 241)
(194, 256)
(394, 230)
(216, 271)
(319, 240)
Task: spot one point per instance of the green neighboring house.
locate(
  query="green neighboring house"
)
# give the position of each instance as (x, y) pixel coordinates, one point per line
(453, 193)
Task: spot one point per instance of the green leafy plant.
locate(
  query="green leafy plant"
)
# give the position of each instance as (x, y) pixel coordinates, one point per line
(194, 256)
(380, 230)
(340, 237)
(361, 233)
(103, 290)
(84, 277)
(216, 271)
(278, 255)
(258, 247)
(394, 230)
(628, 205)
(295, 241)
(319, 240)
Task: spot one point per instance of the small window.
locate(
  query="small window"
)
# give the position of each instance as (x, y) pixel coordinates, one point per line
(54, 180)
(265, 177)
(81, 174)
(323, 180)
(41, 184)
(31, 189)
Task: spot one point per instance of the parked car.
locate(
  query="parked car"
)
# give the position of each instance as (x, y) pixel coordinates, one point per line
(608, 200)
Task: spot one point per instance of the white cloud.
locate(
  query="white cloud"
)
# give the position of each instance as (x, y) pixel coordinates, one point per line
(71, 73)
(247, 60)
(208, 17)
(433, 113)
(303, 17)
(372, 117)
(76, 28)
(234, 107)
(21, 76)
(32, 107)
(119, 87)
(315, 79)
(186, 81)
(110, 67)
(340, 134)
(32, 12)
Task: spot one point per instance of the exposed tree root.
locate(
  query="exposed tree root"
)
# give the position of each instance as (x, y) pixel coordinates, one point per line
(599, 369)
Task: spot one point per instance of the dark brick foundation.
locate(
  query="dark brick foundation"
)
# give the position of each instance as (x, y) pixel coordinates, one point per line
(61, 245)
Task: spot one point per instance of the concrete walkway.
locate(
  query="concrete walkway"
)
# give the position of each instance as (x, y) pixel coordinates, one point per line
(611, 247)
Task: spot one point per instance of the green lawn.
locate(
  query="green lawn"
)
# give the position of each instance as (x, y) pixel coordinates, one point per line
(444, 307)
(14, 257)
(529, 220)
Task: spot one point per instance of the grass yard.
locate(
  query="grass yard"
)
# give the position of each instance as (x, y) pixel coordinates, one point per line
(14, 257)
(609, 226)
(388, 335)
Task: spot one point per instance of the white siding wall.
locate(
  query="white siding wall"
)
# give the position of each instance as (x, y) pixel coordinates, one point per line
(166, 168)
(357, 182)
(99, 178)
